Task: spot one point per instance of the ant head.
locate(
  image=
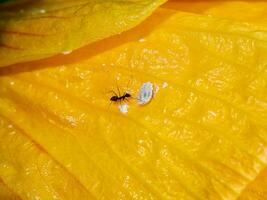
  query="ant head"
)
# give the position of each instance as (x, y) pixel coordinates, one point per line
(114, 98)
(127, 95)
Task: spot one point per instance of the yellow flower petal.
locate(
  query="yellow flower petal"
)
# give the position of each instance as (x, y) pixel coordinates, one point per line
(50, 27)
(202, 136)
(256, 190)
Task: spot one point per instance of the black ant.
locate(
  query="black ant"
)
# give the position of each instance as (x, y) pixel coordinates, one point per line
(119, 98)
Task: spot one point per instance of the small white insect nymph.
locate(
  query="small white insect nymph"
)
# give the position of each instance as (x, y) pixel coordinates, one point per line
(145, 94)
(124, 108)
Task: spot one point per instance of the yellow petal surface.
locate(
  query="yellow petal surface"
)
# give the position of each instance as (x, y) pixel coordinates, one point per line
(203, 135)
(244, 11)
(257, 189)
(49, 27)
(6, 193)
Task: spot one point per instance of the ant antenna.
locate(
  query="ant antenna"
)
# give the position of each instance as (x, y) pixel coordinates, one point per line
(128, 84)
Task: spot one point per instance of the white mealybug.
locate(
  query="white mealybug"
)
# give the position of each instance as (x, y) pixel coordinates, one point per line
(123, 108)
(145, 94)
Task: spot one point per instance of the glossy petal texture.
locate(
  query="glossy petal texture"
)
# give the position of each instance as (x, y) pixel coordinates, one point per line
(45, 28)
(244, 11)
(6, 193)
(257, 190)
(203, 135)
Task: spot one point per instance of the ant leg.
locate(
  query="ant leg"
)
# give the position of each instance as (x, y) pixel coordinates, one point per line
(111, 91)
(118, 88)
(120, 102)
(109, 105)
(136, 98)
